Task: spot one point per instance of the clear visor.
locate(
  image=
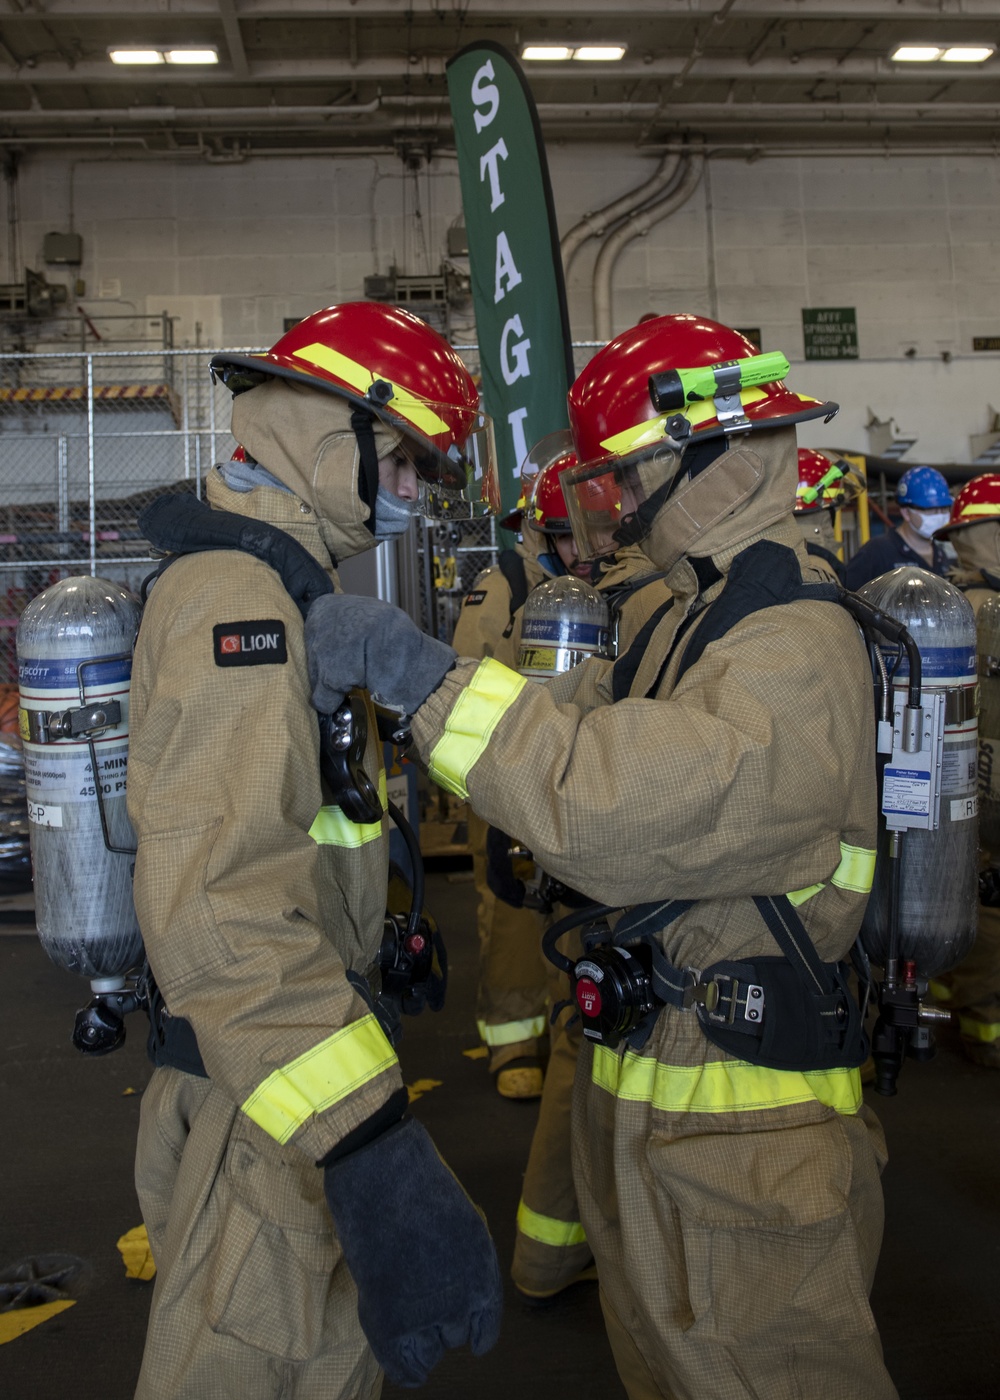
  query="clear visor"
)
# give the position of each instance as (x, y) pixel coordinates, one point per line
(463, 481)
(605, 496)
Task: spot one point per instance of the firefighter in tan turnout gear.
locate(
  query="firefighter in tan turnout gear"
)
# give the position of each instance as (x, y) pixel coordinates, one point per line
(511, 1009)
(717, 782)
(304, 1229)
(972, 991)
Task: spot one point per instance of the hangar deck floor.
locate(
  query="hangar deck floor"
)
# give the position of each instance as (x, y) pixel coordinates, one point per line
(68, 1127)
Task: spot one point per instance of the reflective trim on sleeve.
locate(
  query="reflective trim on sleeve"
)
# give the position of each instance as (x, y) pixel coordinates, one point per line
(798, 897)
(324, 1075)
(333, 828)
(474, 716)
(856, 872)
(939, 990)
(511, 1032)
(546, 1230)
(986, 1031)
(726, 1086)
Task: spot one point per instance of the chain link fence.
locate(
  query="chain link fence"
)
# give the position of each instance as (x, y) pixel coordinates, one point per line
(88, 437)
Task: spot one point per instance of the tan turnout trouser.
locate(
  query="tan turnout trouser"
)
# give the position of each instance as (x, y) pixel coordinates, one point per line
(511, 1003)
(253, 1300)
(734, 1263)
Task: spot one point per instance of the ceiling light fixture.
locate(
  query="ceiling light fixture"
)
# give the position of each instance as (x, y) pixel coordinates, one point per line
(135, 56)
(939, 53)
(202, 56)
(560, 53)
(546, 53)
(968, 53)
(598, 53)
(148, 57)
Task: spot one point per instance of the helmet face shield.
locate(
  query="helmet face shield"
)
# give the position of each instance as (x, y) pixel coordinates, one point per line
(462, 481)
(605, 497)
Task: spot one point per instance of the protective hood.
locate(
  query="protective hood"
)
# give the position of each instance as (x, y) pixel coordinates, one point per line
(304, 437)
(533, 547)
(978, 550)
(734, 500)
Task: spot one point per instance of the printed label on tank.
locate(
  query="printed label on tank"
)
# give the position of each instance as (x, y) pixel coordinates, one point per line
(963, 808)
(43, 815)
(906, 791)
(936, 663)
(554, 631)
(958, 770)
(42, 673)
(59, 774)
(988, 749)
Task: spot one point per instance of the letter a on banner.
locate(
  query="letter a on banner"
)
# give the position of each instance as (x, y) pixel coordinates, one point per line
(518, 292)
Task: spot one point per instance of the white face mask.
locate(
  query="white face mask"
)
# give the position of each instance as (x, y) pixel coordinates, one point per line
(929, 521)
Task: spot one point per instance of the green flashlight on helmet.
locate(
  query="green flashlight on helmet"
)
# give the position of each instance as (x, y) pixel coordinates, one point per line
(674, 389)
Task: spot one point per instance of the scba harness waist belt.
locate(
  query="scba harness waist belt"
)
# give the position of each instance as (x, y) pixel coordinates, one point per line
(788, 1012)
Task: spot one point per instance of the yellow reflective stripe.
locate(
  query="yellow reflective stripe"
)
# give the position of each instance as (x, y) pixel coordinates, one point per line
(939, 991)
(333, 828)
(359, 378)
(653, 429)
(983, 508)
(728, 1086)
(474, 716)
(856, 870)
(546, 1230)
(324, 1075)
(987, 1031)
(798, 897)
(511, 1032)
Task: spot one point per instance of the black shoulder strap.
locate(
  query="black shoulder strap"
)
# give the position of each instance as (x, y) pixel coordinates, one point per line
(624, 671)
(764, 575)
(512, 567)
(185, 525)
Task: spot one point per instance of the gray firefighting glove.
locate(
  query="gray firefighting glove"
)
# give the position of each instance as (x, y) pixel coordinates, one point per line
(356, 641)
(419, 1252)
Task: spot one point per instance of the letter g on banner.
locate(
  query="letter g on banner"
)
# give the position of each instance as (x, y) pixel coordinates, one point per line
(520, 368)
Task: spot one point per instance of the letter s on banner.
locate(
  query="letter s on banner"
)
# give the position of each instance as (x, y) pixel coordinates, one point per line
(485, 94)
(520, 369)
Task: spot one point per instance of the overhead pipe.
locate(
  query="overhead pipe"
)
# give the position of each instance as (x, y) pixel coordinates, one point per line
(638, 227)
(594, 224)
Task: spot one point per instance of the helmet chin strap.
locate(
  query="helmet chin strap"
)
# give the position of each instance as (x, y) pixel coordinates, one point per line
(697, 456)
(362, 423)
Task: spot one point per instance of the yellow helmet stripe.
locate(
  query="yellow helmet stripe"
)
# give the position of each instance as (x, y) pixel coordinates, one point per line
(983, 508)
(653, 429)
(415, 410)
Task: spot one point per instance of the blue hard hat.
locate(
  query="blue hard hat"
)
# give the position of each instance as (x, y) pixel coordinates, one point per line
(923, 488)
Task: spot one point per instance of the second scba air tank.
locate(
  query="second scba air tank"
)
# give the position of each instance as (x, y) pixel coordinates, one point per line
(928, 791)
(566, 621)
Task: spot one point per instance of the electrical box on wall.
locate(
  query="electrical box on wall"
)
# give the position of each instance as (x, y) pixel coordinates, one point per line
(65, 248)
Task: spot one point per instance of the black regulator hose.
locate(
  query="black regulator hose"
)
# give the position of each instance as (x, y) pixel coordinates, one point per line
(416, 863)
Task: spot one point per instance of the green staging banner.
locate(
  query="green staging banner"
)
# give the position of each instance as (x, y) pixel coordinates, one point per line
(517, 275)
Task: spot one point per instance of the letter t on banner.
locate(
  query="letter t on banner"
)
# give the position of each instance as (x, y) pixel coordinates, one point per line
(518, 293)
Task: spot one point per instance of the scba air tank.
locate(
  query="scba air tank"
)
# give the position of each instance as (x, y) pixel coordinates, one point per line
(988, 649)
(566, 621)
(931, 798)
(74, 653)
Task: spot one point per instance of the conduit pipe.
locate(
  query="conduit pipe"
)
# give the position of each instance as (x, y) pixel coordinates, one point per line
(594, 224)
(638, 227)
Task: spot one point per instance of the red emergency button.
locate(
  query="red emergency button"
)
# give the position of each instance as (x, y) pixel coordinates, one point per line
(588, 997)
